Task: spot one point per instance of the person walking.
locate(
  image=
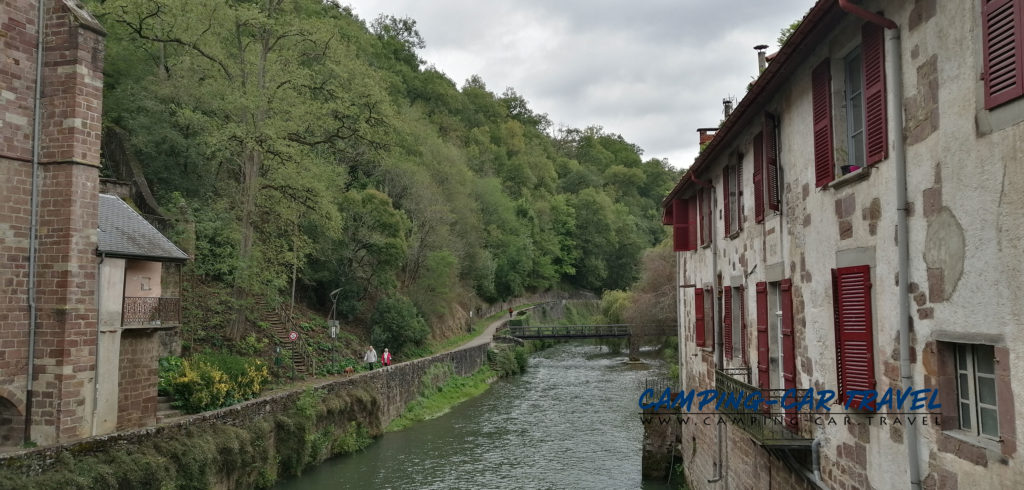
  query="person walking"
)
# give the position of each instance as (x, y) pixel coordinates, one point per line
(385, 358)
(510, 312)
(370, 358)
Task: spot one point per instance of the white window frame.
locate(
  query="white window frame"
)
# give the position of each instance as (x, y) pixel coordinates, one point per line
(968, 399)
(855, 122)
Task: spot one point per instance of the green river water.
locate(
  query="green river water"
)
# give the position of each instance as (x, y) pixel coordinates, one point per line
(570, 421)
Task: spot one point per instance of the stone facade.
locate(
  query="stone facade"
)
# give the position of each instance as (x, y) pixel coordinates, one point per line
(72, 87)
(966, 241)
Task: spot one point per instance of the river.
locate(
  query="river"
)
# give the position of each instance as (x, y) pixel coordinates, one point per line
(570, 421)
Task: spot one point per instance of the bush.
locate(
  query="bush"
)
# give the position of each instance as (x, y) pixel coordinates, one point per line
(397, 325)
(212, 381)
(170, 368)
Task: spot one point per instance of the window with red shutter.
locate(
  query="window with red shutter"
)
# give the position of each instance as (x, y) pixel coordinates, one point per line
(691, 240)
(743, 324)
(821, 102)
(854, 337)
(726, 204)
(763, 362)
(737, 194)
(727, 322)
(666, 215)
(1003, 50)
(698, 315)
(759, 177)
(684, 227)
(771, 161)
(788, 346)
(704, 197)
(876, 133)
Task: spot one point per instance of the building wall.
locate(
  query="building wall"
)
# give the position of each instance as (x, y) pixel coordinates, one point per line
(138, 375)
(68, 177)
(111, 295)
(142, 279)
(966, 232)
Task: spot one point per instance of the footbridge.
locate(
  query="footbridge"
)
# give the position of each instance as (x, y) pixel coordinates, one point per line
(634, 332)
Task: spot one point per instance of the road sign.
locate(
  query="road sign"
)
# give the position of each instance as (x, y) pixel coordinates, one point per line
(293, 336)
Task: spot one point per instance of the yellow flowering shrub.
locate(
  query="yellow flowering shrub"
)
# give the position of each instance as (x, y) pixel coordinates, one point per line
(211, 381)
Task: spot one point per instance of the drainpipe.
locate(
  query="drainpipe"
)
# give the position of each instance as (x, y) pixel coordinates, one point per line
(894, 68)
(716, 318)
(816, 458)
(34, 220)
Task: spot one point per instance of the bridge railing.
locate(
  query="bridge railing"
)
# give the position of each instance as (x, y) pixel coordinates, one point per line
(554, 331)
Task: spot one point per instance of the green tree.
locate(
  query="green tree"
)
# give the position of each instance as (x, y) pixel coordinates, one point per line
(397, 325)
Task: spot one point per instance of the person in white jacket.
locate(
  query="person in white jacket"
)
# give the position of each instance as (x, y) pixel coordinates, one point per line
(370, 358)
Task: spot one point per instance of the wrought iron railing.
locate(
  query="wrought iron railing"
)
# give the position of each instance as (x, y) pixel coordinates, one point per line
(568, 331)
(151, 311)
(767, 423)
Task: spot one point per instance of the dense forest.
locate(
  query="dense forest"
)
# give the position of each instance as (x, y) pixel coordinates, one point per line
(290, 145)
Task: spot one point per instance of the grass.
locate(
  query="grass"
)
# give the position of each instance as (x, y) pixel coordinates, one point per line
(455, 390)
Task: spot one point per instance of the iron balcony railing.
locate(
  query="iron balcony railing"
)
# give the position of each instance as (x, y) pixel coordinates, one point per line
(141, 311)
(768, 424)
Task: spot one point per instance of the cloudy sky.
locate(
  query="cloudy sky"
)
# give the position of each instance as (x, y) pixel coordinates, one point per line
(651, 70)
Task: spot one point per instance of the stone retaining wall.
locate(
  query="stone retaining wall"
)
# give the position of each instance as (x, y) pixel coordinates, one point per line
(394, 387)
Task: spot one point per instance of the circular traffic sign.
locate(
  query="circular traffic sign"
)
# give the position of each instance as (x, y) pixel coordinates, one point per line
(293, 335)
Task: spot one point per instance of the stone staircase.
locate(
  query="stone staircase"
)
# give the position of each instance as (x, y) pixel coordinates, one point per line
(280, 325)
(165, 410)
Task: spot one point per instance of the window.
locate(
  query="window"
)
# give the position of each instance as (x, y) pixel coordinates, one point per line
(866, 138)
(732, 196)
(682, 215)
(855, 360)
(703, 331)
(704, 197)
(734, 324)
(1002, 38)
(976, 389)
(766, 169)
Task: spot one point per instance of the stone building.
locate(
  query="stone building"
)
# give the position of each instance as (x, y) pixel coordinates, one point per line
(873, 173)
(50, 123)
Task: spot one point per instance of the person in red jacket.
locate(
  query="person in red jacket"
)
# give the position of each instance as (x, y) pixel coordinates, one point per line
(385, 358)
(510, 312)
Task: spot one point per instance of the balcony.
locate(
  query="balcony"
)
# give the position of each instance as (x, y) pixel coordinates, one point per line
(768, 428)
(151, 312)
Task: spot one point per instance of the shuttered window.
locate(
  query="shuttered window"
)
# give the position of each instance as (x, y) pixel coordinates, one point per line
(788, 347)
(1002, 37)
(771, 161)
(727, 321)
(698, 315)
(759, 177)
(704, 197)
(684, 226)
(726, 203)
(763, 362)
(821, 102)
(740, 297)
(855, 358)
(876, 133)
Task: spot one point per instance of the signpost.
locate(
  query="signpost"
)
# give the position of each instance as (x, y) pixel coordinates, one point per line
(293, 336)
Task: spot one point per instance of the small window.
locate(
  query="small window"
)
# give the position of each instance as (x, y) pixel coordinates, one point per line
(854, 70)
(976, 390)
(144, 284)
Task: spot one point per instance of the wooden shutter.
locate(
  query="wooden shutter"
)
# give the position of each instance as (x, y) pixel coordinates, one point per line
(705, 211)
(666, 215)
(725, 201)
(771, 161)
(691, 239)
(743, 327)
(763, 361)
(788, 346)
(1002, 38)
(680, 229)
(738, 192)
(727, 322)
(821, 102)
(698, 315)
(876, 133)
(856, 361)
(759, 177)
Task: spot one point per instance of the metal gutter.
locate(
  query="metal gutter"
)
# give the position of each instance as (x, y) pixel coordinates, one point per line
(34, 220)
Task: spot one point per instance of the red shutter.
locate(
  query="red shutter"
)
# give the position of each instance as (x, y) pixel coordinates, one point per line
(738, 169)
(691, 240)
(725, 201)
(821, 101)
(705, 211)
(1002, 38)
(680, 231)
(876, 133)
(698, 315)
(839, 353)
(856, 360)
(743, 327)
(771, 161)
(758, 177)
(727, 322)
(788, 346)
(666, 215)
(763, 362)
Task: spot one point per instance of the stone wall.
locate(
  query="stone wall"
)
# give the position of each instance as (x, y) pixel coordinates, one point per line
(138, 373)
(392, 388)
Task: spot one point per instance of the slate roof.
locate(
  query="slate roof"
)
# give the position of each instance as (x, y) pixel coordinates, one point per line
(125, 233)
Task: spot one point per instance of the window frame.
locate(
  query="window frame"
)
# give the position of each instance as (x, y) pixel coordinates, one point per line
(856, 124)
(966, 368)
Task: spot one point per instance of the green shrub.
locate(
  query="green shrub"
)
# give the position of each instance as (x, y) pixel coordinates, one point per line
(170, 368)
(397, 325)
(211, 381)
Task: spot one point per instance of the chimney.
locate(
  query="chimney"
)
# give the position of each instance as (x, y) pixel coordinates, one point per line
(706, 134)
(762, 63)
(726, 107)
